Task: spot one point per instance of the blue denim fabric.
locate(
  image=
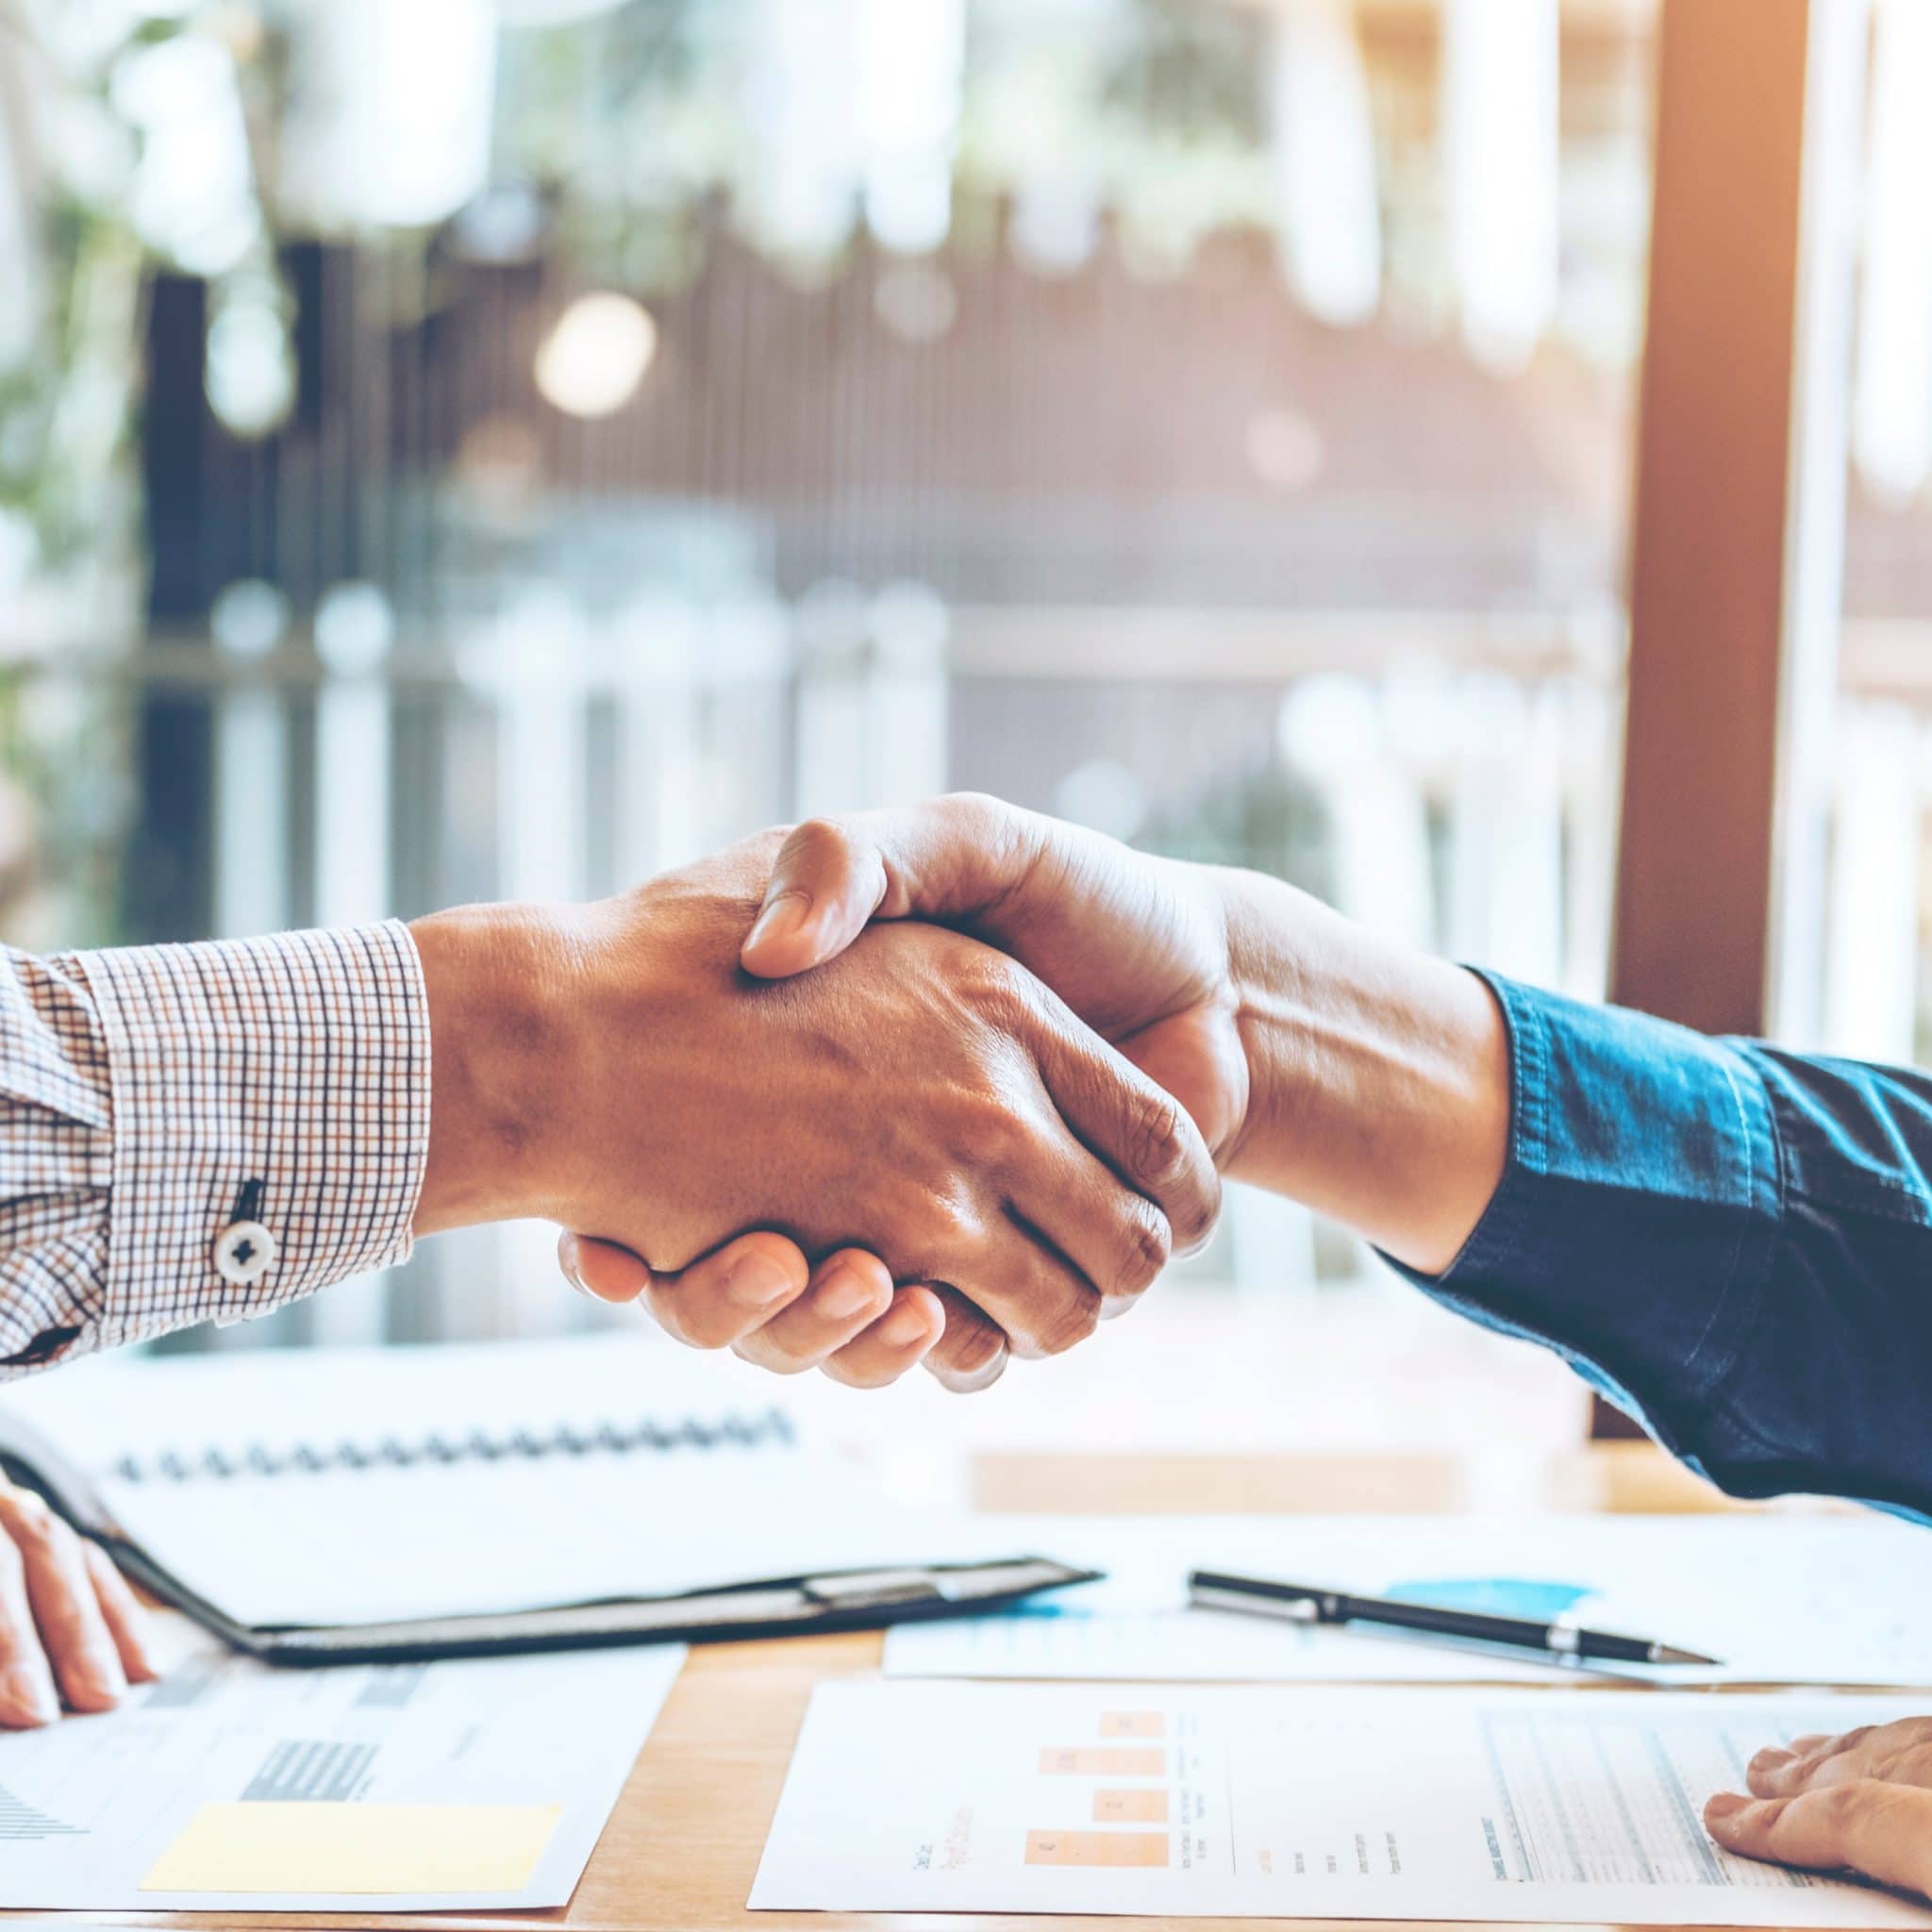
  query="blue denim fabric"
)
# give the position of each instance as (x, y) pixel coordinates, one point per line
(1732, 1242)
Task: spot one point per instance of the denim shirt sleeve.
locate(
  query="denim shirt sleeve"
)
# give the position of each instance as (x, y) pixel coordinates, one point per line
(1732, 1242)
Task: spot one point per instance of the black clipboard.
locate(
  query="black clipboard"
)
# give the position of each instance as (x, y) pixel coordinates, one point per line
(870, 1599)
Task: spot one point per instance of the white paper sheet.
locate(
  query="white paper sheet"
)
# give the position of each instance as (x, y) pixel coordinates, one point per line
(1565, 1806)
(88, 1804)
(1781, 1599)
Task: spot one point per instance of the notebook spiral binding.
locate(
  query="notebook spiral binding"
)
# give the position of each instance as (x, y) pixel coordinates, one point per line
(771, 1431)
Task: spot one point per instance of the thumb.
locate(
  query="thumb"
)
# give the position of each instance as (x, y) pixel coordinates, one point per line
(952, 860)
(825, 885)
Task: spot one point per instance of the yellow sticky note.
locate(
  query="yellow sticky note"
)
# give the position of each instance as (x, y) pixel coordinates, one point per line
(345, 1847)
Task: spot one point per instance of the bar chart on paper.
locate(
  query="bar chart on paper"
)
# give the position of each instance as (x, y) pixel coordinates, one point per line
(1578, 1806)
(1098, 1765)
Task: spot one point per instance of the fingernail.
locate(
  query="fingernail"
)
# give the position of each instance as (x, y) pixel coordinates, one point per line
(971, 1381)
(756, 1282)
(780, 919)
(842, 1296)
(1199, 1245)
(1724, 1805)
(568, 1258)
(901, 1328)
(29, 1693)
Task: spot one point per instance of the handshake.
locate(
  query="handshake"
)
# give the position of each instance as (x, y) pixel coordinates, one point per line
(947, 1083)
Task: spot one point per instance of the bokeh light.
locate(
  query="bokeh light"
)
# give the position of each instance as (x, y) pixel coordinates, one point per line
(592, 361)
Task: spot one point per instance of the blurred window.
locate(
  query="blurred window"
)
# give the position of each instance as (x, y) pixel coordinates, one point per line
(1859, 942)
(577, 434)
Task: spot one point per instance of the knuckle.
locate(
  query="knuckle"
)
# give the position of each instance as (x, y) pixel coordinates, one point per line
(814, 840)
(996, 1137)
(989, 824)
(998, 991)
(1839, 1804)
(940, 1228)
(1149, 1243)
(1198, 1220)
(1071, 1319)
(1157, 1146)
(971, 815)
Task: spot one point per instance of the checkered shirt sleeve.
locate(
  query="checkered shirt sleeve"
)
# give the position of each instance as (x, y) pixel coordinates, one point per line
(152, 1096)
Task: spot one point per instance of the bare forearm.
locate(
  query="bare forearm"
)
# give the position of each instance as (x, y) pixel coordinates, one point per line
(1379, 1077)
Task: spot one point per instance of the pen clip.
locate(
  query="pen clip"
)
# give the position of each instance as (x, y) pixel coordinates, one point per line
(1301, 1609)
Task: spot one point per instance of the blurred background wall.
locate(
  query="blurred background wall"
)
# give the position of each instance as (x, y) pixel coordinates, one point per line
(505, 447)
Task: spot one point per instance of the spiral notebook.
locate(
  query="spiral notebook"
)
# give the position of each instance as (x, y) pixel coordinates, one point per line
(322, 1506)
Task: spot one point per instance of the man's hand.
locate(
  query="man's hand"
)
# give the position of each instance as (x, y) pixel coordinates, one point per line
(1367, 1081)
(1857, 1802)
(923, 1099)
(69, 1627)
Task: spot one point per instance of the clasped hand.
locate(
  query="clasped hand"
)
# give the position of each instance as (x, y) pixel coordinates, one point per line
(919, 1114)
(1131, 948)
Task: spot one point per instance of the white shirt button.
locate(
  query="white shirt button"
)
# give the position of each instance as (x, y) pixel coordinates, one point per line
(244, 1251)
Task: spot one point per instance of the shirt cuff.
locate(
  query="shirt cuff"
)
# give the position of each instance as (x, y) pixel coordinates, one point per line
(1633, 1228)
(281, 1081)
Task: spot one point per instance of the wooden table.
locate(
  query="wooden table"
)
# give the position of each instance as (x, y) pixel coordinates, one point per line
(684, 1842)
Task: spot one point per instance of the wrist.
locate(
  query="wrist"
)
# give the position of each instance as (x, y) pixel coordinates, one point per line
(1378, 1075)
(500, 1037)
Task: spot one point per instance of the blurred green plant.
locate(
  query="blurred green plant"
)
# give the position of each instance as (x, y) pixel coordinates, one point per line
(1265, 819)
(71, 559)
(634, 119)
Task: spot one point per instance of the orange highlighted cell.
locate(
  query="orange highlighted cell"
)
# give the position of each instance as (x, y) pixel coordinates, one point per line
(1130, 1808)
(1103, 1760)
(1132, 1724)
(1139, 1849)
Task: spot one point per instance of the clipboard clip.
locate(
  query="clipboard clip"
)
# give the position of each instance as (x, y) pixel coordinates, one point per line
(871, 1590)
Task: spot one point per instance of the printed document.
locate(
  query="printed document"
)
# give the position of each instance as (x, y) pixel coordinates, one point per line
(1780, 1599)
(1567, 1807)
(226, 1772)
